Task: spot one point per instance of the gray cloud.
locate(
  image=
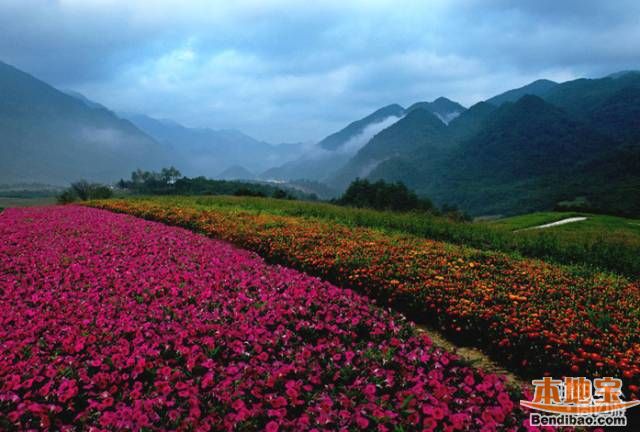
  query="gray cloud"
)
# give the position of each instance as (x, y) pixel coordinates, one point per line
(283, 70)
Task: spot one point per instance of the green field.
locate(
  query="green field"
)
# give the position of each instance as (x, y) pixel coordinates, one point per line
(603, 243)
(594, 223)
(7, 202)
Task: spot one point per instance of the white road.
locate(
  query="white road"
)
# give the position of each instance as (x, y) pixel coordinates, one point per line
(556, 223)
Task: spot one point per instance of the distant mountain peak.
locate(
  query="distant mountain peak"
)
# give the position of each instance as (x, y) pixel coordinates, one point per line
(421, 114)
(391, 109)
(530, 100)
(236, 172)
(444, 109)
(88, 102)
(339, 139)
(538, 87)
(52, 137)
(623, 73)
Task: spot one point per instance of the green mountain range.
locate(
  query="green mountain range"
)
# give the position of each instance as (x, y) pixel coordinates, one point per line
(523, 150)
(526, 149)
(324, 160)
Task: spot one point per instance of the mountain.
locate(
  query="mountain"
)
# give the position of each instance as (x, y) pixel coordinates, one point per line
(537, 88)
(420, 131)
(445, 109)
(610, 184)
(51, 137)
(526, 138)
(582, 96)
(422, 169)
(236, 172)
(328, 158)
(88, 102)
(316, 165)
(201, 151)
(621, 74)
(514, 156)
(471, 121)
(341, 138)
(321, 161)
(524, 150)
(618, 116)
(518, 160)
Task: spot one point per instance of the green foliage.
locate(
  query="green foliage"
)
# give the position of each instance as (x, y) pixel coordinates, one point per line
(82, 190)
(86, 191)
(420, 131)
(245, 191)
(383, 196)
(67, 197)
(169, 182)
(545, 144)
(281, 194)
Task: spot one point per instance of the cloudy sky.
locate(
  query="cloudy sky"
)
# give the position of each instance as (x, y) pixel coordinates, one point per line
(289, 70)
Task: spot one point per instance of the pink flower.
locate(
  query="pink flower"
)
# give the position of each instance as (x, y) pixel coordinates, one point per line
(272, 426)
(369, 391)
(362, 422)
(67, 390)
(155, 326)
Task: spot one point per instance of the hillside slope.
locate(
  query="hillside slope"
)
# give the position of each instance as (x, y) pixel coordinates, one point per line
(577, 139)
(51, 137)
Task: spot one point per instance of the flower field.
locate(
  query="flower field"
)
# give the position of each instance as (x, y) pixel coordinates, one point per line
(537, 318)
(110, 322)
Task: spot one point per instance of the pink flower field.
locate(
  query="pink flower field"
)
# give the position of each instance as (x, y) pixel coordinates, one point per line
(109, 322)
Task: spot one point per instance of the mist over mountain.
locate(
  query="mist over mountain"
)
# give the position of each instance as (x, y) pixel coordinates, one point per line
(56, 137)
(327, 159)
(419, 131)
(337, 140)
(321, 161)
(446, 110)
(236, 172)
(524, 149)
(208, 152)
(48, 136)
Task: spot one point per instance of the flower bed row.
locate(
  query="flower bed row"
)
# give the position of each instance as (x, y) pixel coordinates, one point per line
(535, 317)
(109, 322)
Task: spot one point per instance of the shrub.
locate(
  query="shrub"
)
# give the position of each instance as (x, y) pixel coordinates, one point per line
(67, 196)
(281, 194)
(383, 196)
(245, 191)
(83, 190)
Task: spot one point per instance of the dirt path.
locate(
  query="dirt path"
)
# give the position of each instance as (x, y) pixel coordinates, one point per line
(473, 356)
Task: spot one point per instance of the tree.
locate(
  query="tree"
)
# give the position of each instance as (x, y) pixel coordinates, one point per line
(81, 189)
(281, 194)
(384, 196)
(170, 175)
